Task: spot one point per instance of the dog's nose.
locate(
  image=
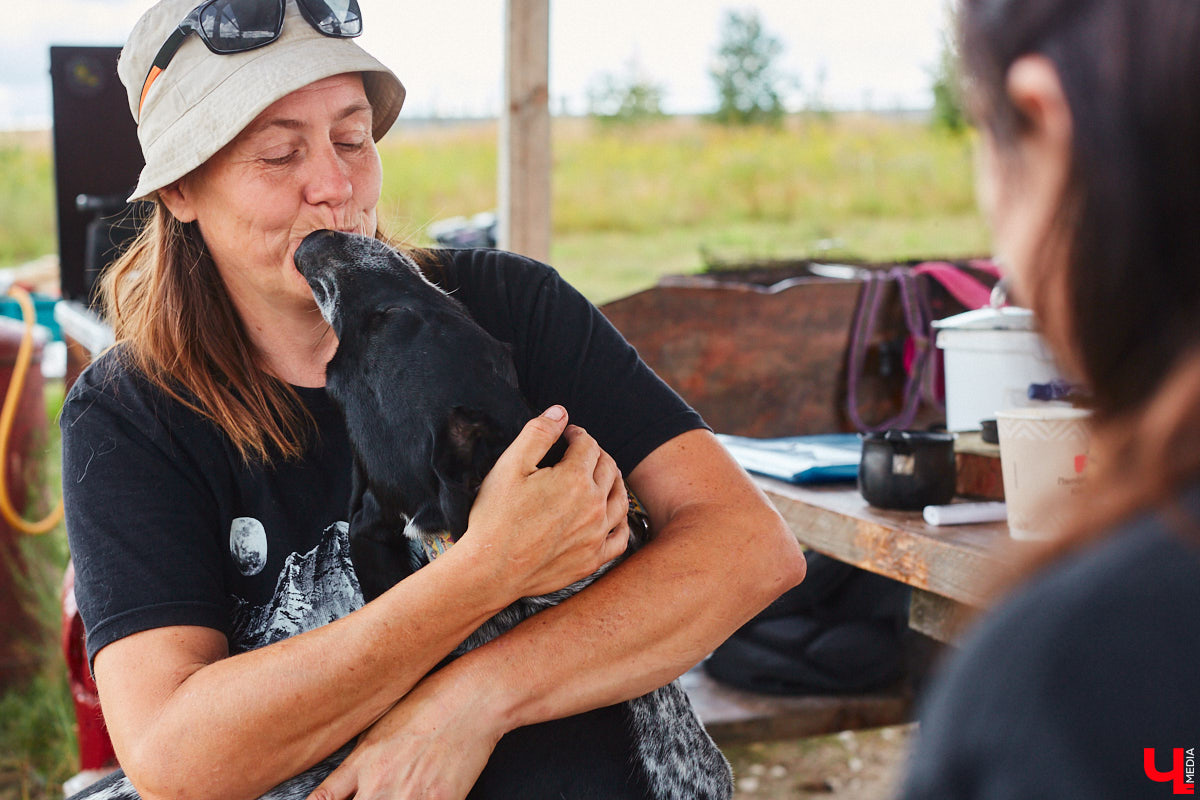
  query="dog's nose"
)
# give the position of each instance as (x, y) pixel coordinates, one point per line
(307, 254)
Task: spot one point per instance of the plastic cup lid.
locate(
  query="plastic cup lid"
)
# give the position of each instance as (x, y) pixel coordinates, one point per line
(1007, 318)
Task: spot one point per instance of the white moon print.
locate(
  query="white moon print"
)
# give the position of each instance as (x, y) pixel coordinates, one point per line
(248, 545)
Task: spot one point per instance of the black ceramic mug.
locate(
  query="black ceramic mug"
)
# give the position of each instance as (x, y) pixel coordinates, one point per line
(907, 470)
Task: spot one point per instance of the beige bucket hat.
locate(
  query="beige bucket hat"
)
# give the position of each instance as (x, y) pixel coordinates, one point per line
(203, 100)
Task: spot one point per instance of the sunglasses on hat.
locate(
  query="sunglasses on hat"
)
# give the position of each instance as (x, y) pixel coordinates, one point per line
(235, 26)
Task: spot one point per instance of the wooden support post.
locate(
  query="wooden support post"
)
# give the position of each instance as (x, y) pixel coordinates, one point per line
(524, 169)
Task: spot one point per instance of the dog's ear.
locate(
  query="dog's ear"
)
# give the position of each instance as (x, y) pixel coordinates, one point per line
(555, 453)
(465, 430)
(470, 446)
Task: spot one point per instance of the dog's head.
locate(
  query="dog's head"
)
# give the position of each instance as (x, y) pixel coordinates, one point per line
(430, 398)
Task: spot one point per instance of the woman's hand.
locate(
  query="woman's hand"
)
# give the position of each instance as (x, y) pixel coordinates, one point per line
(433, 745)
(544, 529)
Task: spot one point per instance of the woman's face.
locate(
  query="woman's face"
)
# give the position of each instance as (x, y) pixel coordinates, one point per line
(1022, 184)
(305, 163)
(1018, 224)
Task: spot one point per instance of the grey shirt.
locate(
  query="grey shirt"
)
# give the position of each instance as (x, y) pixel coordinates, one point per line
(1059, 691)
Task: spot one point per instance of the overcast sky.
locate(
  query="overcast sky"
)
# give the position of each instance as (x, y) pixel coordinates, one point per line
(860, 53)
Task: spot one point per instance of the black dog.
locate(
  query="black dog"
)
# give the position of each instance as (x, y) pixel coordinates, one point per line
(430, 401)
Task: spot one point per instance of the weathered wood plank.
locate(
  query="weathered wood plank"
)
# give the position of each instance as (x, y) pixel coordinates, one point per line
(935, 616)
(525, 162)
(978, 465)
(956, 562)
(733, 716)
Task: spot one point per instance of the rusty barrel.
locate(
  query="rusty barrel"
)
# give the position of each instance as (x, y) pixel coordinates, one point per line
(17, 626)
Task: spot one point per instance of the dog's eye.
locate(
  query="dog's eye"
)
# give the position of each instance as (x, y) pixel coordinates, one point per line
(398, 318)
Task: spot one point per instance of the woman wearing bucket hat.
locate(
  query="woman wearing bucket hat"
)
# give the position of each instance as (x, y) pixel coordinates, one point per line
(1083, 683)
(207, 474)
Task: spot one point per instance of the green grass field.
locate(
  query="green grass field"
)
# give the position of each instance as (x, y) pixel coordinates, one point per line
(629, 206)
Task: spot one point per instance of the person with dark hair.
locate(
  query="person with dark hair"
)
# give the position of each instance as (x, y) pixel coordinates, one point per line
(1083, 682)
(207, 475)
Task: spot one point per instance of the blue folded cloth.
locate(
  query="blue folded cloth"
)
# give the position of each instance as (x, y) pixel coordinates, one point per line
(799, 459)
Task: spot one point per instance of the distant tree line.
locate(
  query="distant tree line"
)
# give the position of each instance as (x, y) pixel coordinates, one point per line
(749, 85)
(629, 97)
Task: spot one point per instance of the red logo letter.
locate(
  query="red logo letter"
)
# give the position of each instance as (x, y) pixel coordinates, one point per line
(1175, 775)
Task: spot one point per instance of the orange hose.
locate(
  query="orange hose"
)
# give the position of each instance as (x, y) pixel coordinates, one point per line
(11, 400)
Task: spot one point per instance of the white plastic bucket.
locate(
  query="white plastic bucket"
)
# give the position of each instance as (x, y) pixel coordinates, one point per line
(990, 370)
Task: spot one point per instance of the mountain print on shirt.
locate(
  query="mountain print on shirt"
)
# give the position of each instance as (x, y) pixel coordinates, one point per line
(313, 589)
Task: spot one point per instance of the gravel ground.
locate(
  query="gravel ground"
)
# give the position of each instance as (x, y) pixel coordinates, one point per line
(852, 765)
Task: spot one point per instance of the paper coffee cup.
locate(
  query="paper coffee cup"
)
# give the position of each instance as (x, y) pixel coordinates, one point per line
(1044, 459)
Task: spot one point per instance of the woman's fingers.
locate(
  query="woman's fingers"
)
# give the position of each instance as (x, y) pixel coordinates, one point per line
(338, 785)
(588, 459)
(618, 504)
(552, 526)
(618, 536)
(582, 454)
(534, 441)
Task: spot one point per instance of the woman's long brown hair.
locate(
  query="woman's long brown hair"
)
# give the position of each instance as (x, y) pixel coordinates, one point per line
(1126, 249)
(177, 326)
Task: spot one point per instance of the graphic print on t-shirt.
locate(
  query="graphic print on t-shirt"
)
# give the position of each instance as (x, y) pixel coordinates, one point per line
(248, 545)
(314, 588)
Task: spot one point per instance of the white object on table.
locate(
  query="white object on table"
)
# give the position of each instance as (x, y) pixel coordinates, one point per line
(965, 513)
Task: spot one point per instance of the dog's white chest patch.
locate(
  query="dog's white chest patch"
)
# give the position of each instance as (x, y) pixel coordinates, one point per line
(436, 544)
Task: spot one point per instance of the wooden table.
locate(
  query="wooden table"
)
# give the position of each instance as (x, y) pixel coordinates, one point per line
(948, 567)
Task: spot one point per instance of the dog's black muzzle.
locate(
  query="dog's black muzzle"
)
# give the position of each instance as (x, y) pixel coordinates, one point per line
(318, 259)
(314, 251)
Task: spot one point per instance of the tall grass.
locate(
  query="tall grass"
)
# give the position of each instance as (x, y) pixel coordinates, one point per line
(633, 203)
(27, 226)
(436, 172)
(38, 748)
(682, 173)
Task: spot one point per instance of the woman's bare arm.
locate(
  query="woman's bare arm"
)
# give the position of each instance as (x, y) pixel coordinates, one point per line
(721, 554)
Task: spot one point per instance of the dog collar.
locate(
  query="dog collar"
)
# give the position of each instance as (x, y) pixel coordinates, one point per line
(435, 544)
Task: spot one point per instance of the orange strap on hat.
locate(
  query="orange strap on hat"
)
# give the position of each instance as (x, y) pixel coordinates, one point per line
(153, 76)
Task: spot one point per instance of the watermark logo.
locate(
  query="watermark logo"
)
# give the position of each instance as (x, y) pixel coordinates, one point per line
(1182, 776)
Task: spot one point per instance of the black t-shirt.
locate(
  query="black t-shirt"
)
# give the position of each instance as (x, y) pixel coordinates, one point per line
(169, 526)
(1059, 692)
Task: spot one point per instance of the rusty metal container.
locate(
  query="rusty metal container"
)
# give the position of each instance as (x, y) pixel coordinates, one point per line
(763, 352)
(28, 434)
(762, 348)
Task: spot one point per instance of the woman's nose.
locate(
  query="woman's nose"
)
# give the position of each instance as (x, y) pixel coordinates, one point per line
(328, 179)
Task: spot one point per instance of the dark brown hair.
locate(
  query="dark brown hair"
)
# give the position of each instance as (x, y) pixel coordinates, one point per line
(1128, 229)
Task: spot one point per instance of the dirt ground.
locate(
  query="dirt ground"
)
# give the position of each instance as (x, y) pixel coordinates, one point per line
(852, 765)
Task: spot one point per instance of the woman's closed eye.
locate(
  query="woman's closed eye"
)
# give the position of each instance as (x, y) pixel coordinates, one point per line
(280, 160)
(350, 138)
